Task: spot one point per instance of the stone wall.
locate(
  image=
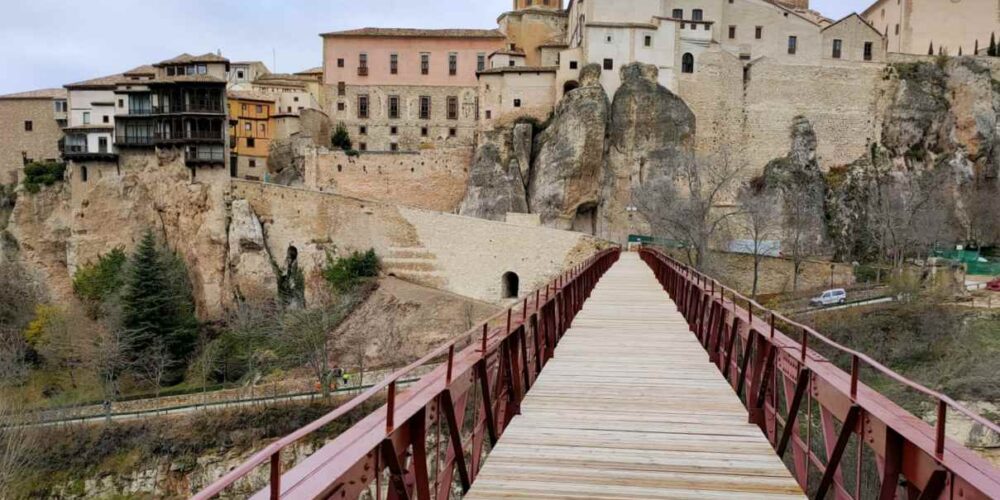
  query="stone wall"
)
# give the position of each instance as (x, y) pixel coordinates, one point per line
(41, 143)
(433, 179)
(462, 255)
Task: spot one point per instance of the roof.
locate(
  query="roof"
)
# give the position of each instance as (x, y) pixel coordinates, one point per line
(548, 45)
(186, 58)
(623, 25)
(863, 21)
(519, 69)
(810, 16)
(506, 52)
(141, 70)
(417, 33)
(103, 82)
(187, 79)
(284, 80)
(92, 126)
(37, 94)
(250, 95)
(318, 70)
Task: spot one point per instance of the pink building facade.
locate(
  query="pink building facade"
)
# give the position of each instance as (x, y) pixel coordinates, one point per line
(406, 89)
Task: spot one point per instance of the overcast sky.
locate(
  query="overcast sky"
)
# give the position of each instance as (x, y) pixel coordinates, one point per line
(49, 43)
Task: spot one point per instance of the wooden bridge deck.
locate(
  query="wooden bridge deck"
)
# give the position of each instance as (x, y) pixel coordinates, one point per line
(630, 407)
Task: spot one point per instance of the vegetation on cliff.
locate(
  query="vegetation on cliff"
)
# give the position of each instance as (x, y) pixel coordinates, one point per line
(38, 174)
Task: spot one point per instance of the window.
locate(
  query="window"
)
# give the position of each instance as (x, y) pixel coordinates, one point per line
(83, 173)
(202, 69)
(363, 106)
(732, 32)
(425, 64)
(121, 104)
(340, 62)
(425, 107)
(295, 99)
(511, 63)
(697, 14)
(758, 32)
(170, 71)
(106, 119)
(362, 146)
(452, 108)
(86, 117)
(341, 106)
(251, 142)
(393, 130)
(393, 146)
(362, 130)
(362, 64)
(687, 63)
(838, 45)
(868, 51)
(248, 127)
(263, 128)
(793, 44)
(61, 106)
(453, 64)
(480, 62)
(517, 103)
(609, 64)
(260, 109)
(423, 131)
(393, 64)
(394, 106)
(252, 163)
(648, 41)
(452, 132)
(678, 14)
(574, 65)
(489, 114)
(239, 74)
(897, 29)
(341, 88)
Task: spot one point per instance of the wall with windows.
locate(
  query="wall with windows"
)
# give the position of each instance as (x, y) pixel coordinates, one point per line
(776, 25)
(856, 41)
(950, 24)
(38, 140)
(506, 95)
(530, 29)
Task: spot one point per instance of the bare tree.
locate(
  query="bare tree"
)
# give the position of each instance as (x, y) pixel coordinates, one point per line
(111, 359)
(13, 362)
(307, 338)
(910, 215)
(154, 365)
(687, 206)
(802, 227)
(252, 327)
(17, 444)
(760, 222)
(63, 341)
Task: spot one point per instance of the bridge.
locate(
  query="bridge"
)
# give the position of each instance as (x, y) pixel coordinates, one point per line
(601, 385)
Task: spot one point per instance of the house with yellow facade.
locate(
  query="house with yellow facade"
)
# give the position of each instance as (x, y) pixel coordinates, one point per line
(251, 128)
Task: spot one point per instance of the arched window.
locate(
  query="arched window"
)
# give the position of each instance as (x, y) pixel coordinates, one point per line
(511, 285)
(687, 63)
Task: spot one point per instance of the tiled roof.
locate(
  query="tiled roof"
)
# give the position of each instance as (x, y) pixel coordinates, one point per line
(318, 70)
(506, 52)
(519, 69)
(188, 59)
(249, 95)
(141, 70)
(188, 79)
(417, 33)
(104, 81)
(38, 94)
(92, 126)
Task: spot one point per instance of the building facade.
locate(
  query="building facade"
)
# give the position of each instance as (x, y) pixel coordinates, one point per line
(251, 128)
(937, 26)
(406, 89)
(31, 130)
(90, 126)
(243, 73)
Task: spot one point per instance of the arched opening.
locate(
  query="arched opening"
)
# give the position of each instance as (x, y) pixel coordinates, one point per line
(570, 86)
(511, 285)
(687, 63)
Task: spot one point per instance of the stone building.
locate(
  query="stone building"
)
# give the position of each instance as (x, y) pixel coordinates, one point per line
(406, 89)
(31, 130)
(91, 120)
(292, 92)
(530, 29)
(243, 73)
(912, 26)
(251, 128)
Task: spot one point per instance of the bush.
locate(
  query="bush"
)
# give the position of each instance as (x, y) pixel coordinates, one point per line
(38, 174)
(341, 138)
(346, 273)
(97, 282)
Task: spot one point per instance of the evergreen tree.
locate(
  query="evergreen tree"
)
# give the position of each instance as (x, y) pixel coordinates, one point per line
(992, 51)
(157, 304)
(975, 51)
(930, 51)
(341, 138)
(960, 52)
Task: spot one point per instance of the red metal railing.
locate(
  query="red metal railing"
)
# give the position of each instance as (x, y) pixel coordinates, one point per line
(864, 445)
(430, 441)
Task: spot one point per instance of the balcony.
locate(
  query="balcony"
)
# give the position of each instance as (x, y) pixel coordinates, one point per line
(79, 152)
(190, 135)
(204, 157)
(363, 71)
(134, 141)
(201, 107)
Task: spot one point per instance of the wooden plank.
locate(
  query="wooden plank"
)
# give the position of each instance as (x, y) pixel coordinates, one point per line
(631, 407)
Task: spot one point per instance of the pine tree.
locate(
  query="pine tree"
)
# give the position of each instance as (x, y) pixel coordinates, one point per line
(930, 51)
(960, 52)
(975, 51)
(992, 51)
(157, 305)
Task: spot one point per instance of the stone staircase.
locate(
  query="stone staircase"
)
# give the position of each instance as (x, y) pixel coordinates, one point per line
(414, 264)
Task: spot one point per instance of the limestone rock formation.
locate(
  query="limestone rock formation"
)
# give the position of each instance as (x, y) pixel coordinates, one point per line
(286, 160)
(496, 185)
(251, 266)
(564, 185)
(651, 140)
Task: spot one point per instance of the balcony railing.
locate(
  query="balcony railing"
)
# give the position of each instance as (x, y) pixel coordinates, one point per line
(195, 107)
(362, 71)
(145, 140)
(200, 135)
(205, 156)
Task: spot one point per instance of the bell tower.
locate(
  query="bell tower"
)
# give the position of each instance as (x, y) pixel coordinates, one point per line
(538, 4)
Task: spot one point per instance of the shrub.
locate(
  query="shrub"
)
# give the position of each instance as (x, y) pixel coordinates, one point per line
(96, 282)
(345, 273)
(38, 174)
(341, 138)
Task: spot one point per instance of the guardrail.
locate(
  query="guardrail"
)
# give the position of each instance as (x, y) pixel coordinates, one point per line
(433, 438)
(894, 453)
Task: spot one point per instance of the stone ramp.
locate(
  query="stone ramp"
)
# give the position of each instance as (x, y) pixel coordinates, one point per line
(630, 407)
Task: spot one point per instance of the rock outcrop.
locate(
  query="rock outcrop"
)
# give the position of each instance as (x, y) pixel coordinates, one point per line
(251, 266)
(565, 181)
(496, 183)
(651, 141)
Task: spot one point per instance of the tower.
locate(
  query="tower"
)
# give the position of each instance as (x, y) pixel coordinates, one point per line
(538, 4)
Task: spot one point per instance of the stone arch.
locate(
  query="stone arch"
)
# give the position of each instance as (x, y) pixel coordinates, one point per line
(687, 63)
(510, 285)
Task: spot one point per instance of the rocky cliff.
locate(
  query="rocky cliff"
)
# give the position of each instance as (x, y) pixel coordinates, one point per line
(497, 175)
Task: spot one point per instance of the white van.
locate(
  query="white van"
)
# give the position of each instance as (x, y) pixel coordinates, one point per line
(829, 298)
